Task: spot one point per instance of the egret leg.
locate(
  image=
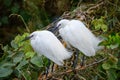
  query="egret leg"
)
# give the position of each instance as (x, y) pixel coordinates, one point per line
(47, 68)
(82, 61)
(76, 58)
(52, 67)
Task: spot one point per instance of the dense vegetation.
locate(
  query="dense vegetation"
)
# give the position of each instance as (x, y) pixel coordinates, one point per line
(18, 19)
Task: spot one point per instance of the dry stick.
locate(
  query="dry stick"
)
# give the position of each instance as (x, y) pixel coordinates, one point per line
(76, 69)
(96, 62)
(94, 7)
(22, 21)
(88, 11)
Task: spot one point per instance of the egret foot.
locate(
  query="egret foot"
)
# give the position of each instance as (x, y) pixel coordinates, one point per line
(47, 68)
(76, 59)
(82, 61)
(54, 67)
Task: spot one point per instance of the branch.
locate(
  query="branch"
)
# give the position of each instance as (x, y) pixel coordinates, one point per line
(78, 68)
(94, 7)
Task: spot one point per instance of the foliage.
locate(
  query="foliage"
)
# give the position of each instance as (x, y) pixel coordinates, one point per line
(19, 60)
(112, 65)
(15, 8)
(100, 24)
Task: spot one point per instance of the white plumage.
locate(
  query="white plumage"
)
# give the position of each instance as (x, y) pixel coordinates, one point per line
(46, 43)
(75, 33)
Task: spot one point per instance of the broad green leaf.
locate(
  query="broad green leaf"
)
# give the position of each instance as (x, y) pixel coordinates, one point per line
(9, 52)
(4, 72)
(18, 39)
(97, 27)
(21, 64)
(104, 27)
(29, 54)
(13, 44)
(100, 24)
(7, 64)
(37, 60)
(106, 66)
(114, 46)
(34, 75)
(111, 74)
(110, 63)
(15, 8)
(5, 48)
(26, 75)
(18, 57)
(25, 45)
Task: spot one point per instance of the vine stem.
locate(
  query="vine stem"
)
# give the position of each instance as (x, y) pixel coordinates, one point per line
(22, 21)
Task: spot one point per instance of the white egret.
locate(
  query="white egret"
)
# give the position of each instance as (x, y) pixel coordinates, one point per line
(76, 34)
(45, 43)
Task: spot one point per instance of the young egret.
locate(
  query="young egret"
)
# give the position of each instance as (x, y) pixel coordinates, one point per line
(45, 43)
(76, 34)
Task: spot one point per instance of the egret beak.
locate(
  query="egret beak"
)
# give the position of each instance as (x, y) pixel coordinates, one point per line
(56, 28)
(27, 38)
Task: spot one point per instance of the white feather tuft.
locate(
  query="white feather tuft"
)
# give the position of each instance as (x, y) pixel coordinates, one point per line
(47, 44)
(76, 34)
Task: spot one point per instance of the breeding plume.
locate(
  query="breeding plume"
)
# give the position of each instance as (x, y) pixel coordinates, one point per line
(46, 43)
(75, 33)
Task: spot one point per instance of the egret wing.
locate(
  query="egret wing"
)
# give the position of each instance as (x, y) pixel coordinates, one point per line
(80, 37)
(51, 47)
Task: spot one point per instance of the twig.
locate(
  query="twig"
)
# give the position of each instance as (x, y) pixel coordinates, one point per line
(96, 62)
(78, 68)
(22, 20)
(94, 7)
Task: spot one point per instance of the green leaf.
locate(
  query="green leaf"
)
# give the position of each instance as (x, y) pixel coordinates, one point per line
(18, 57)
(26, 75)
(7, 64)
(5, 48)
(110, 63)
(37, 60)
(29, 54)
(106, 66)
(13, 44)
(21, 64)
(15, 8)
(114, 46)
(104, 27)
(18, 39)
(111, 74)
(4, 72)
(97, 27)
(34, 75)
(99, 24)
(25, 45)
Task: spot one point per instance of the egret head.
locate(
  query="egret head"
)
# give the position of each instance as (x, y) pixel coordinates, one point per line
(31, 36)
(61, 24)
